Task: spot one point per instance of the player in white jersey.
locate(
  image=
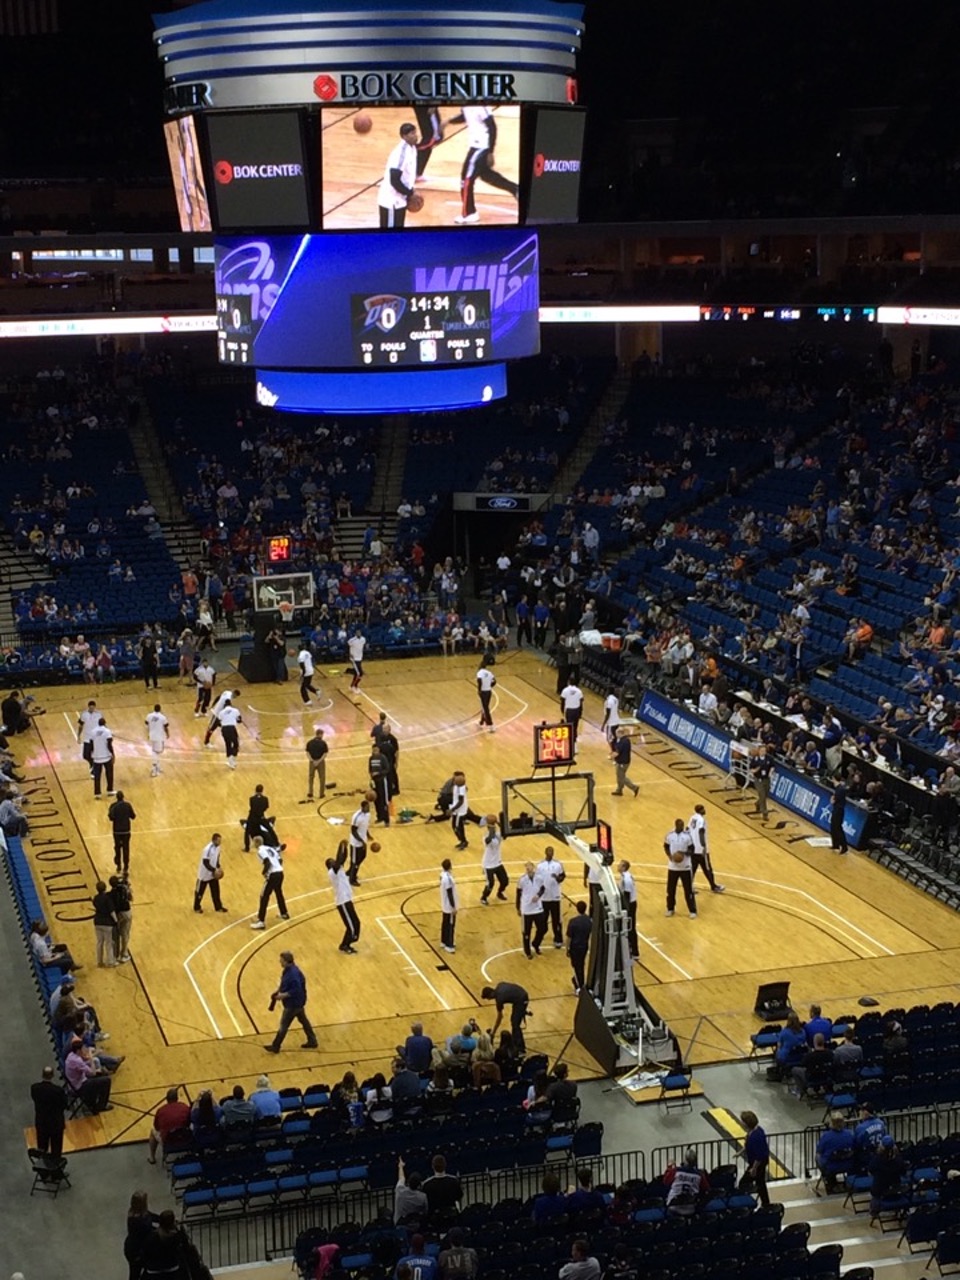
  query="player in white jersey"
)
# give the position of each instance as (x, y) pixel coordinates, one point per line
(700, 854)
(399, 176)
(678, 846)
(479, 160)
(224, 700)
(551, 872)
(486, 681)
(355, 647)
(158, 731)
(492, 860)
(343, 898)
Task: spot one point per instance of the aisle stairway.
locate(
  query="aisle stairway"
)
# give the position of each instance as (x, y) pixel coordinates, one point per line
(391, 459)
(606, 412)
(180, 533)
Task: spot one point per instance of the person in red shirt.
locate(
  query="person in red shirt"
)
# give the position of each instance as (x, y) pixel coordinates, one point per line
(174, 1114)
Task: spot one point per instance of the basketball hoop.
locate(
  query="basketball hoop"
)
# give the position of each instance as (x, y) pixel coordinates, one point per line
(286, 610)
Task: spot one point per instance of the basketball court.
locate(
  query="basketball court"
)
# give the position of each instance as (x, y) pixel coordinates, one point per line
(192, 1007)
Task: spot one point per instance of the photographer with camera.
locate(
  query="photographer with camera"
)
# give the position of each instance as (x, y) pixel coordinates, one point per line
(512, 994)
(291, 994)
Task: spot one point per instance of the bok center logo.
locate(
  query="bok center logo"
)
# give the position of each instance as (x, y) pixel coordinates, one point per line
(223, 172)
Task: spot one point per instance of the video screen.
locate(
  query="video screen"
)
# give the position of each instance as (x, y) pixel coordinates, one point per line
(183, 151)
(257, 165)
(554, 189)
(374, 301)
(396, 168)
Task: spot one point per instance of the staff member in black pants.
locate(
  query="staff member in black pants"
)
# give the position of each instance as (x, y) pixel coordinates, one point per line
(316, 750)
(49, 1111)
(121, 814)
(530, 891)
(700, 856)
(838, 805)
(343, 898)
(579, 928)
(256, 822)
(379, 769)
(271, 857)
(292, 995)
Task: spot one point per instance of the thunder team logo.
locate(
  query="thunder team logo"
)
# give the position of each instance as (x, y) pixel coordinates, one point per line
(383, 310)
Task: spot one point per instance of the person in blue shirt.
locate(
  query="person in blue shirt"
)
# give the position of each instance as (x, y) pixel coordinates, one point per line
(756, 1153)
(551, 1202)
(584, 1199)
(834, 1150)
(522, 612)
(422, 1266)
(818, 1024)
(791, 1045)
(868, 1134)
(541, 620)
(417, 1050)
(292, 995)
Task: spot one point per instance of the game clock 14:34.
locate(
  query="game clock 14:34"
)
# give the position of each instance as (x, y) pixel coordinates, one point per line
(449, 327)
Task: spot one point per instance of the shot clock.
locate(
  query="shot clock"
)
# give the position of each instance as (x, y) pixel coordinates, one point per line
(553, 745)
(421, 328)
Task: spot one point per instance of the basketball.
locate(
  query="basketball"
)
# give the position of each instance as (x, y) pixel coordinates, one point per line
(370, 795)
(492, 819)
(362, 123)
(415, 202)
(374, 846)
(677, 857)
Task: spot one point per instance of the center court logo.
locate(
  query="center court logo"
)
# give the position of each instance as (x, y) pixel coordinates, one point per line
(225, 172)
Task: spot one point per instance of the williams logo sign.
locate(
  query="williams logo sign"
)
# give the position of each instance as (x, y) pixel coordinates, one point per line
(406, 86)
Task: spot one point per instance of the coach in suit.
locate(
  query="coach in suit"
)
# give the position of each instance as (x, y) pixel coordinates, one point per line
(50, 1108)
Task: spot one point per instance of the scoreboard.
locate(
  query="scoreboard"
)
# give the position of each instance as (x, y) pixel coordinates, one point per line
(553, 745)
(421, 328)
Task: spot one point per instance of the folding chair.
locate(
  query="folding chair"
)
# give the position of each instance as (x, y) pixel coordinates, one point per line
(49, 1172)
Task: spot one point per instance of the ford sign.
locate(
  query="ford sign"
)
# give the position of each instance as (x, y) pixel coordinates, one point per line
(503, 504)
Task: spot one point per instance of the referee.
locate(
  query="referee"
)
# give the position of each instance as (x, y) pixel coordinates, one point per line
(485, 683)
(343, 898)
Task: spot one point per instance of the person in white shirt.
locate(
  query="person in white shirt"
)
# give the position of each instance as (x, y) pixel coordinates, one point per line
(205, 678)
(492, 860)
(209, 875)
(158, 731)
(343, 898)
(357, 840)
(678, 846)
(571, 706)
(449, 906)
(229, 718)
(530, 891)
(460, 811)
(485, 685)
(271, 859)
(700, 854)
(611, 715)
(551, 872)
(224, 700)
(628, 896)
(87, 721)
(478, 162)
(707, 704)
(101, 757)
(399, 177)
(305, 663)
(355, 647)
(591, 881)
